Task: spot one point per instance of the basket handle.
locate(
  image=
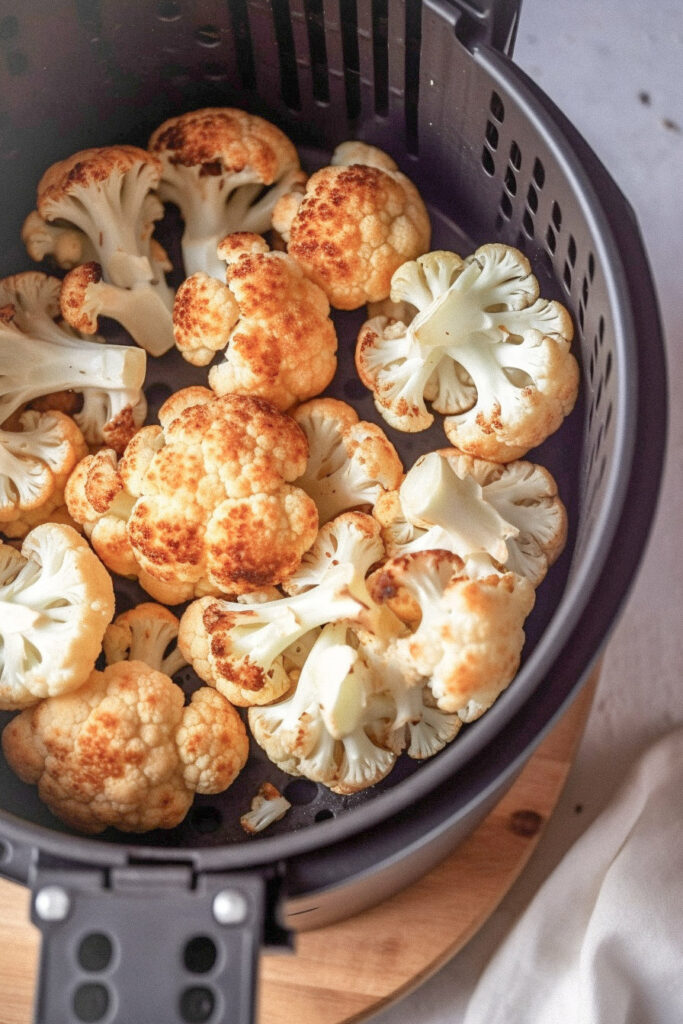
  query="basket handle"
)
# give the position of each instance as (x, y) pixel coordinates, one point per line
(493, 22)
(151, 944)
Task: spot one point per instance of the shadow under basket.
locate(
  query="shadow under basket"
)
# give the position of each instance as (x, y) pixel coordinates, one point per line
(432, 83)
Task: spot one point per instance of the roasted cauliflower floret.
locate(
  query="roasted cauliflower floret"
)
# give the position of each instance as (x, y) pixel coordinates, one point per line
(147, 632)
(357, 222)
(123, 751)
(467, 645)
(351, 462)
(107, 194)
(483, 348)
(504, 515)
(56, 600)
(273, 323)
(202, 503)
(224, 169)
(35, 463)
(39, 357)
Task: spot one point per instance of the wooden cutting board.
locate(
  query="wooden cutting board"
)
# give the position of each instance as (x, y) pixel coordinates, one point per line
(347, 971)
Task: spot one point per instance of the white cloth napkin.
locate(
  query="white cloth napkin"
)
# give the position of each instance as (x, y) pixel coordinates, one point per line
(602, 940)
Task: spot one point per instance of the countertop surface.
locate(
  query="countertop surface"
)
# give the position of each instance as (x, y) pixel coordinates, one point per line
(615, 68)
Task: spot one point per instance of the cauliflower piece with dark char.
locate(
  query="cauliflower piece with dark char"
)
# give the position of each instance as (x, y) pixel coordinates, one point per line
(357, 222)
(272, 322)
(124, 751)
(202, 503)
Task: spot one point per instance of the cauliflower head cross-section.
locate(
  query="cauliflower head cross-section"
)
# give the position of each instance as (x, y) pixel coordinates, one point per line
(124, 751)
(224, 169)
(467, 644)
(483, 347)
(202, 503)
(56, 600)
(272, 322)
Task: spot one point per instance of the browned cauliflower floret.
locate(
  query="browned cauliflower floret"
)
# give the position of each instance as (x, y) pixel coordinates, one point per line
(357, 222)
(123, 751)
(203, 503)
(224, 169)
(273, 323)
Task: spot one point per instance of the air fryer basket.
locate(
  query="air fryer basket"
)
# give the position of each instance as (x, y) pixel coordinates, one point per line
(431, 82)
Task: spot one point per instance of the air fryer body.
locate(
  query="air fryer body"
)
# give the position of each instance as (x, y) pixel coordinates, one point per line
(495, 161)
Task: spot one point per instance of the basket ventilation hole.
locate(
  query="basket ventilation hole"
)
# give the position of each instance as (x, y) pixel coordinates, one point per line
(492, 135)
(510, 182)
(380, 55)
(539, 173)
(487, 162)
(584, 291)
(5, 851)
(289, 79)
(567, 276)
(571, 251)
(515, 156)
(506, 206)
(95, 952)
(532, 199)
(199, 955)
(551, 240)
(9, 28)
(315, 24)
(206, 819)
(528, 224)
(556, 215)
(351, 57)
(301, 791)
(208, 35)
(168, 10)
(197, 1004)
(497, 108)
(324, 815)
(243, 47)
(91, 1002)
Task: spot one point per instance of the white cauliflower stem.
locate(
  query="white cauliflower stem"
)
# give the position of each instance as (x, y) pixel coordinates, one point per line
(107, 194)
(484, 348)
(216, 164)
(351, 462)
(504, 515)
(109, 377)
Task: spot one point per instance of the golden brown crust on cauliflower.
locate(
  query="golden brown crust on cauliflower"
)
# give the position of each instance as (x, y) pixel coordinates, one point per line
(88, 167)
(273, 323)
(201, 504)
(352, 229)
(123, 751)
(224, 139)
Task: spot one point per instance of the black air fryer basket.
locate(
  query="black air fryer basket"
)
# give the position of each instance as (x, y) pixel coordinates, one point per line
(430, 81)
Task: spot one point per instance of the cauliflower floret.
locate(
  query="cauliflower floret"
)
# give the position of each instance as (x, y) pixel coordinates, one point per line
(355, 225)
(55, 359)
(510, 513)
(267, 807)
(467, 645)
(251, 652)
(281, 342)
(123, 751)
(64, 244)
(484, 348)
(56, 599)
(351, 462)
(202, 503)
(329, 729)
(148, 632)
(107, 193)
(216, 163)
(35, 463)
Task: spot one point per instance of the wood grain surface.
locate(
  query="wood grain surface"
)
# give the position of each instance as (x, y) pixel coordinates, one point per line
(349, 970)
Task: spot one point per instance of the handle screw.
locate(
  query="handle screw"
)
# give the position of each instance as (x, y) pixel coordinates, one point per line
(52, 903)
(230, 907)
